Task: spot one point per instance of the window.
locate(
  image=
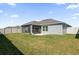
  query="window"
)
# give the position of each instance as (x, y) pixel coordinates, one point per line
(45, 28)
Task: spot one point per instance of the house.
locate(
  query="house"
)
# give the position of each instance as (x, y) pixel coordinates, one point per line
(13, 29)
(46, 26)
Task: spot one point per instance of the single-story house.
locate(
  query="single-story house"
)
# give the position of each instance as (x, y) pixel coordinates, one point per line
(46, 26)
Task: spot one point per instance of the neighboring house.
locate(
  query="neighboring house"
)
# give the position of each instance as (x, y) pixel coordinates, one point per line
(16, 29)
(47, 26)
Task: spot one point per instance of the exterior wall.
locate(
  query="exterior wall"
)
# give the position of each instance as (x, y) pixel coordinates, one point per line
(72, 30)
(54, 29)
(13, 30)
(7, 30)
(16, 30)
(1, 31)
(64, 28)
(19, 30)
(26, 29)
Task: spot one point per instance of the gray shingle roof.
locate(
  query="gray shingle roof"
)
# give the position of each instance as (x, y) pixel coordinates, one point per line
(49, 21)
(43, 22)
(32, 23)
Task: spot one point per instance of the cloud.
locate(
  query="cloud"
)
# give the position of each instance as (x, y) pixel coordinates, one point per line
(1, 11)
(76, 14)
(73, 6)
(60, 3)
(12, 4)
(74, 17)
(14, 16)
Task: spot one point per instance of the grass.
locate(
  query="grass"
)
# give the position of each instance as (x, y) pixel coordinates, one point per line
(45, 45)
(7, 48)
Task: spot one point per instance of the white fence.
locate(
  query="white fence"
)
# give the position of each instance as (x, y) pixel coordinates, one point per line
(1, 31)
(72, 30)
(16, 29)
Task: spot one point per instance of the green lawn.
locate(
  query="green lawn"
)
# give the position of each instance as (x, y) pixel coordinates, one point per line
(44, 45)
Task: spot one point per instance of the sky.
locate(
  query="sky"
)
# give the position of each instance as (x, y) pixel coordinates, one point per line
(13, 14)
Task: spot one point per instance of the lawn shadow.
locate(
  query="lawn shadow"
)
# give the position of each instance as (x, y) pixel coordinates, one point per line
(7, 48)
(77, 35)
